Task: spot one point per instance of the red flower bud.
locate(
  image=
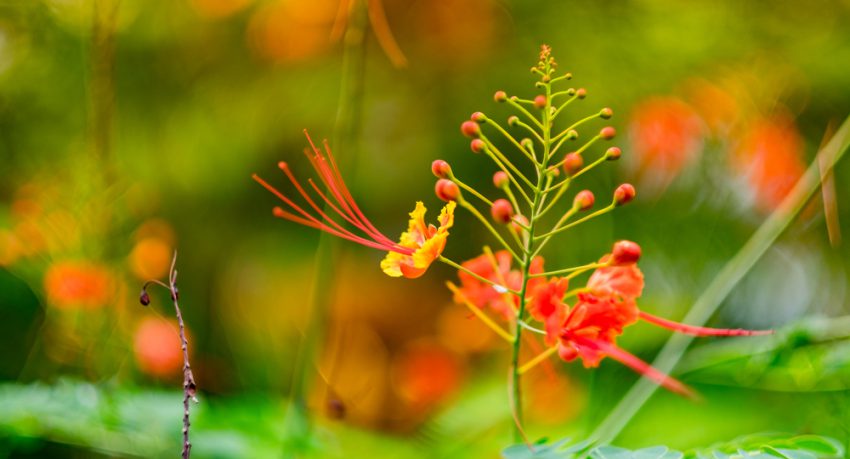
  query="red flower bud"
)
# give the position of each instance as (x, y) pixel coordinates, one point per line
(540, 102)
(516, 222)
(623, 194)
(500, 96)
(470, 129)
(581, 93)
(500, 179)
(441, 169)
(624, 253)
(583, 200)
(613, 154)
(606, 113)
(502, 211)
(573, 163)
(607, 133)
(477, 145)
(513, 120)
(446, 190)
(478, 117)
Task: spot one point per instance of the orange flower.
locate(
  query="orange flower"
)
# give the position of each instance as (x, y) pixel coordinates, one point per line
(426, 242)
(71, 284)
(665, 134)
(498, 270)
(547, 305)
(590, 328)
(770, 155)
(420, 245)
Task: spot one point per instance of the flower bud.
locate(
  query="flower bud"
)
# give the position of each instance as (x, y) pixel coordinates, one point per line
(613, 154)
(502, 211)
(446, 190)
(500, 96)
(584, 200)
(526, 143)
(607, 133)
(470, 129)
(624, 253)
(540, 102)
(441, 169)
(571, 92)
(623, 194)
(516, 222)
(572, 134)
(606, 113)
(513, 120)
(144, 298)
(573, 163)
(568, 76)
(546, 78)
(478, 117)
(500, 179)
(581, 93)
(477, 145)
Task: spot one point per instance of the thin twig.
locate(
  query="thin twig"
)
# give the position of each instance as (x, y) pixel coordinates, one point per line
(189, 387)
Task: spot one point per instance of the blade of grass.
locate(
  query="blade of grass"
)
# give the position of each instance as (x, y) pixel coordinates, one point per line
(722, 284)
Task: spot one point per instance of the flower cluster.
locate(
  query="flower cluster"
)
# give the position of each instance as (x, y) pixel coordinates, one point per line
(509, 289)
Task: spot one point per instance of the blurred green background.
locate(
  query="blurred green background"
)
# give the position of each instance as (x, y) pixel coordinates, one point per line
(131, 128)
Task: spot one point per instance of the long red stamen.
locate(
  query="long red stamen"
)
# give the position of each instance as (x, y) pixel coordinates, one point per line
(700, 331)
(280, 213)
(312, 204)
(286, 200)
(347, 194)
(333, 180)
(637, 364)
(390, 244)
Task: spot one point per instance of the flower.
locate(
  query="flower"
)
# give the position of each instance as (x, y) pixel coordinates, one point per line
(419, 246)
(496, 268)
(547, 305)
(607, 306)
(425, 242)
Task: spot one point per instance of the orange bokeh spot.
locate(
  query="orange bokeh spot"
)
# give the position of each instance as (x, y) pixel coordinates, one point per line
(770, 155)
(156, 346)
(426, 373)
(77, 284)
(217, 9)
(292, 31)
(665, 134)
(150, 258)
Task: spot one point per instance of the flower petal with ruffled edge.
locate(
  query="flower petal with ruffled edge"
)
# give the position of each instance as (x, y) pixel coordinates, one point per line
(426, 241)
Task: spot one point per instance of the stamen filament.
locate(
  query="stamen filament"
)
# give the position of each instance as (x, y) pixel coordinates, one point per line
(571, 270)
(700, 331)
(481, 315)
(539, 358)
(471, 273)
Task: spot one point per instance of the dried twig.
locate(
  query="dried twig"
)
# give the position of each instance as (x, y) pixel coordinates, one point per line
(189, 387)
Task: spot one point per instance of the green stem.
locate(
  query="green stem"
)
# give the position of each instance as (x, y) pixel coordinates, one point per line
(528, 249)
(466, 205)
(725, 281)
